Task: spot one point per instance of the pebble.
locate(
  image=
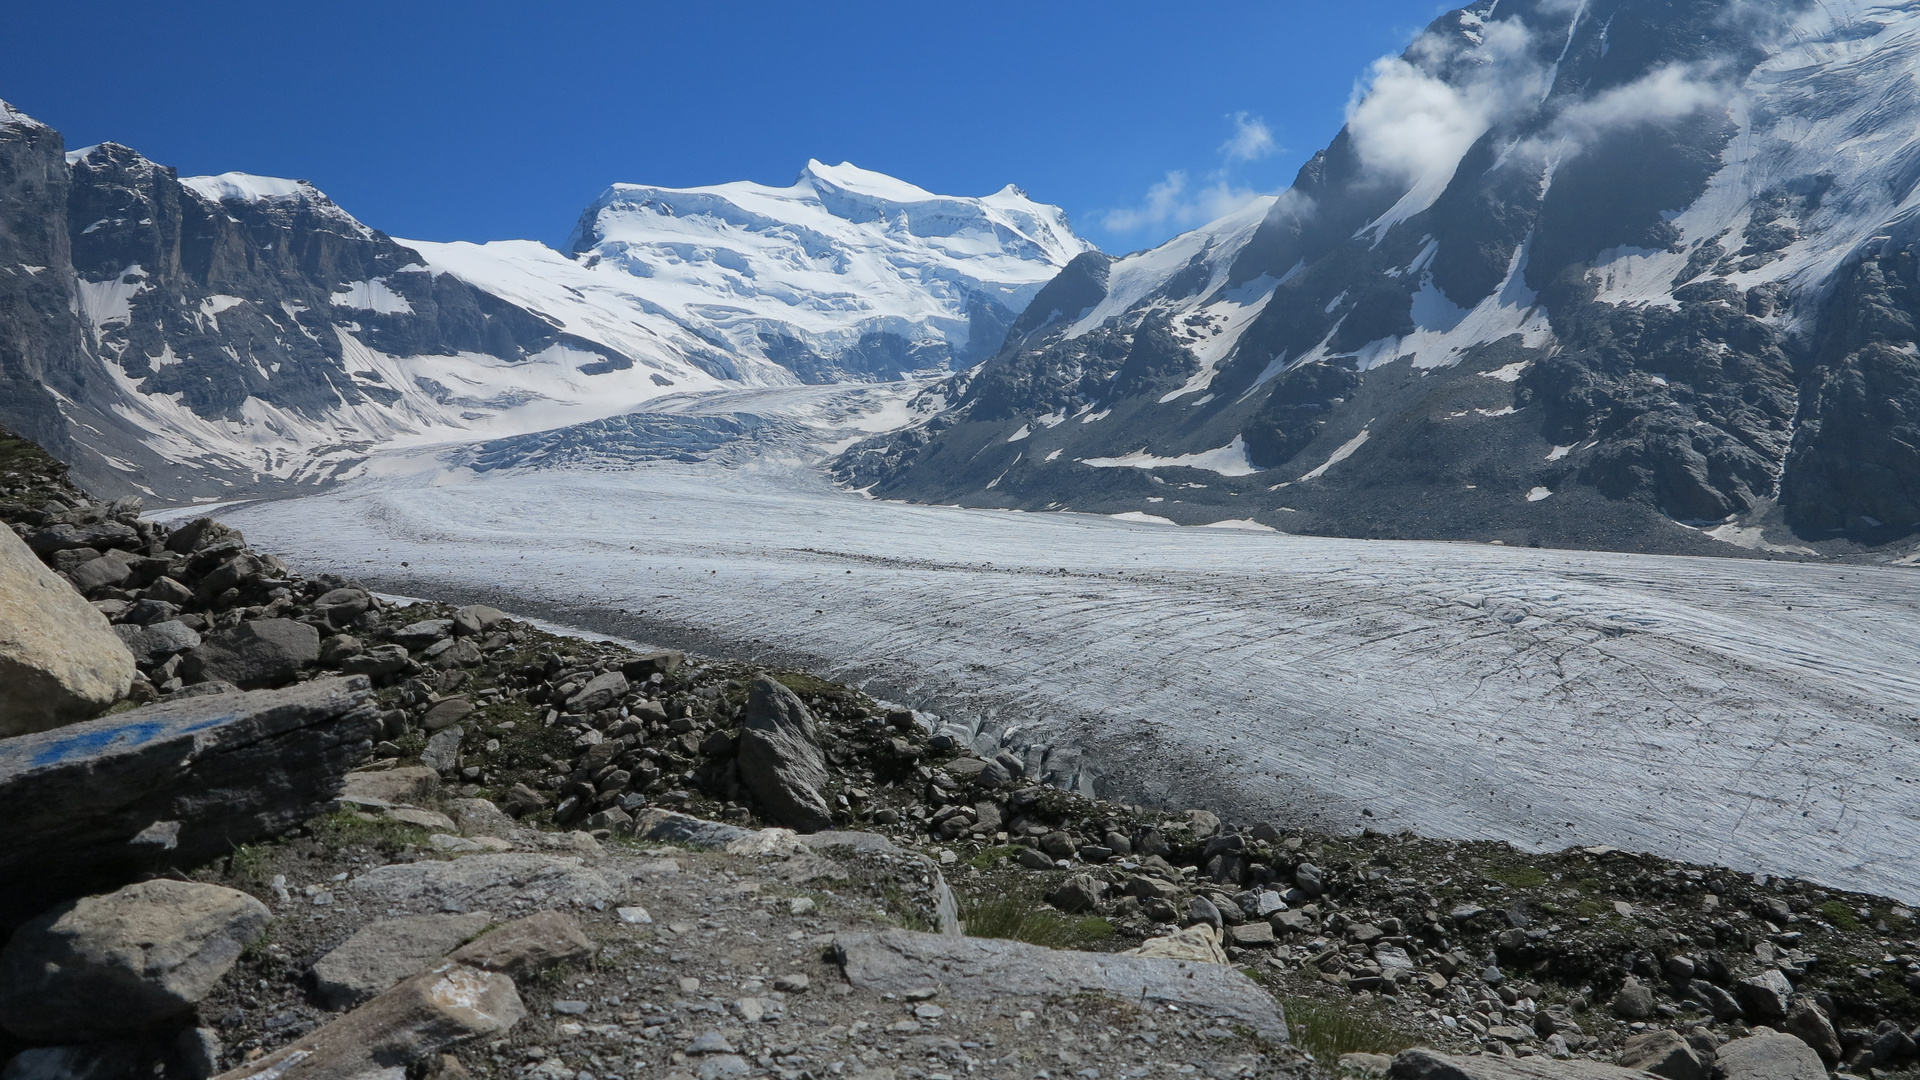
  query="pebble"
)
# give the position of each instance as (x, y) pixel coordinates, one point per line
(634, 915)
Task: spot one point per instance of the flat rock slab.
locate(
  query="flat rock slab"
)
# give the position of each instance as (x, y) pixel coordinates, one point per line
(387, 787)
(506, 883)
(92, 806)
(526, 947)
(1769, 1055)
(421, 1016)
(901, 961)
(385, 951)
(1430, 1065)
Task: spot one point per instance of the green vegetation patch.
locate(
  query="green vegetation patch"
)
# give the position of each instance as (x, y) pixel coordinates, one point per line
(1327, 1030)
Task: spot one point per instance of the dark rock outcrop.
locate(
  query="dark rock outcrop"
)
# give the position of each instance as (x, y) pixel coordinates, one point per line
(95, 804)
(780, 760)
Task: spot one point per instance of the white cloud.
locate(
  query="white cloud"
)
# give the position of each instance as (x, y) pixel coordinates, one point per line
(1667, 93)
(1169, 202)
(1252, 139)
(1411, 126)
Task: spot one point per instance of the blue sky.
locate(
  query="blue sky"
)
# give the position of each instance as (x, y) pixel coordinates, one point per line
(484, 120)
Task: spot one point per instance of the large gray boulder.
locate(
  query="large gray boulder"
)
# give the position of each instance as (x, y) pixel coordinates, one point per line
(600, 692)
(155, 642)
(780, 760)
(93, 806)
(257, 654)
(385, 951)
(1765, 997)
(105, 965)
(902, 962)
(1770, 1055)
(59, 659)
(1664, 1053)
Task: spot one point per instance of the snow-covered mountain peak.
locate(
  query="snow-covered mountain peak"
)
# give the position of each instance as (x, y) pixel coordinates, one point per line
(846, 273)
(12, 117)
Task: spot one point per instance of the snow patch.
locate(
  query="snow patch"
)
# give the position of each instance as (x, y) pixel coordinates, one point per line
(1539, 493)
(1228, 460)
(371, 295)
(1343, 453)
(1143, 519)
(246, 187)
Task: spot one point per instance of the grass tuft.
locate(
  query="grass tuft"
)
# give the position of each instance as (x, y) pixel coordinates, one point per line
(1014, 917)
(1841, 916)
(1327, 1030)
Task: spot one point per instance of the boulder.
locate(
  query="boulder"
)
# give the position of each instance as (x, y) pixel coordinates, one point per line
(903, 962)
(600, 692)
(1079, 892)
(105, 965)
(1422, 1064)
(1634, 1001)
(528, 947)
(445, 714)
(664, 662)
(384, 787)
(154, 642)
(1198, 944)
(409, 1023)
(385, 951)
(1807, 1023)
(341, 606)
(780, 760)
(198, 534)
(421, 634)
(113, 570)
(443, 749)
(257, 654)
(1663, 1053)
(1765, 996)
(100, 535)
(59, 659)
(1769, 1055)
(93, 806)
(475, 618)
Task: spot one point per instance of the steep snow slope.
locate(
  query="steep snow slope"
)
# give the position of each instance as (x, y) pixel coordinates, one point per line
(1756, 714)
(1655, 259)
(846, 274)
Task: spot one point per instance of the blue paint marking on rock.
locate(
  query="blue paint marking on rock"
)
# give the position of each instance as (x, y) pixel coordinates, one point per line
(52, 747)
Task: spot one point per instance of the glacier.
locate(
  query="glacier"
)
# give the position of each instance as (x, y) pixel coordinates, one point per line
(1742, 712)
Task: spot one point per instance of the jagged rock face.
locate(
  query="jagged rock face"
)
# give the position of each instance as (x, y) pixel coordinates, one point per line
(1636, 271)
(42, 347)
(215, 296)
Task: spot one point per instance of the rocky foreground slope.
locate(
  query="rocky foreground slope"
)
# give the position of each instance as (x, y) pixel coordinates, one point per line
(697, 867)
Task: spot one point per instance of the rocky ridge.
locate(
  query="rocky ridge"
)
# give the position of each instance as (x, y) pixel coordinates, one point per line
(518, 770)
(1657, 298)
